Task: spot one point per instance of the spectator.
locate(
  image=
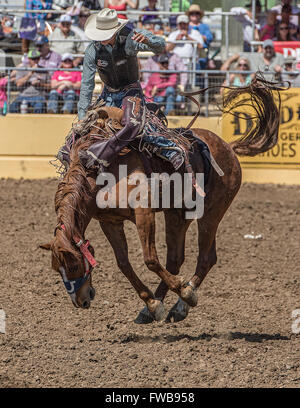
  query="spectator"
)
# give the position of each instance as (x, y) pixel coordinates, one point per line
(49, 58)
(147, 18)
(175, 64)
(32, 84)
(3, 95)
(268, 60)
(289, 20)
(161, 87)
(38, 5)
(244, 16)
(65, 85)
(79, 30)
(268, 31)
(121, 5)
(292, 73)
(242, 64)
(64, 32)
(294, 10)
(184, 32)
(283, 33)
(195, 15)
(91, 4)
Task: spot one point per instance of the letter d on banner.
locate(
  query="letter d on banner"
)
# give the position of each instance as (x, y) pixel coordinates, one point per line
(2, 321)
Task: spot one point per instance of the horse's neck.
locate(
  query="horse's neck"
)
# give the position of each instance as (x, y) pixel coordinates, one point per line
(73, 202)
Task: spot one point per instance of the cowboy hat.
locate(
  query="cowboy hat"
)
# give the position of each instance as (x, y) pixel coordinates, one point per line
(103, 26)
(194, 8)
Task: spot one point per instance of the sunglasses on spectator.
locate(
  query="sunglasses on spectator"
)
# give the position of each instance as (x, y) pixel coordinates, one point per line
(288, 65)
(284, 28)
(195, 13)
(67, 60)
(65, 24)
(242, 65)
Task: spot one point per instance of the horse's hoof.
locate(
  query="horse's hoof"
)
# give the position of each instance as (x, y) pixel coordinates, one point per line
(189, 295)
(144, 317)
(157, 310)
(178, 312)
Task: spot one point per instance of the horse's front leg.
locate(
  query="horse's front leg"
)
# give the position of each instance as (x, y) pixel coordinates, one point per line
(176, 227)
(116, 237)
(145, 222)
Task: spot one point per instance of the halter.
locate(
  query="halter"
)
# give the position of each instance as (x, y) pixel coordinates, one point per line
(72, 286)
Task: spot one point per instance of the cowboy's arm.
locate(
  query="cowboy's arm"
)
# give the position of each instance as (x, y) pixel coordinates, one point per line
(88, 81)
(151, 42)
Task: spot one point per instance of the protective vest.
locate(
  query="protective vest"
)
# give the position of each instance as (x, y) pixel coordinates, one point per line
(117, 69)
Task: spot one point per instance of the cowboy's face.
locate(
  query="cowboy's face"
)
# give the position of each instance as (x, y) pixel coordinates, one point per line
(110, 41)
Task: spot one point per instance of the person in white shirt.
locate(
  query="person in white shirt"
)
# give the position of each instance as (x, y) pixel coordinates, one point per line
(183, 33)
(244, 16)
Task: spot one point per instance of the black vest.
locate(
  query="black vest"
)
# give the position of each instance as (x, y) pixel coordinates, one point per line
(117, 70)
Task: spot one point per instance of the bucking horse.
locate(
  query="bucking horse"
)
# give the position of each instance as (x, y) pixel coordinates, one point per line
(77, 203)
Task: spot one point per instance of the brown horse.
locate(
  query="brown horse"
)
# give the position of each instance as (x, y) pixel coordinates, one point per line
(76, 205)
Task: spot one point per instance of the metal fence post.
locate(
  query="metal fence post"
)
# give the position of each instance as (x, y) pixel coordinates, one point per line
(206, 95)
(227, 35)
(8, 91)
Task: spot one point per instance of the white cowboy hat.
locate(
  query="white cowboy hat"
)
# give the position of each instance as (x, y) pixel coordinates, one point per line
(102, 26)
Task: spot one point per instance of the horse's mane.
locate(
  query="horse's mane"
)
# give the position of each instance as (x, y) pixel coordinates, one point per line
(73, 191)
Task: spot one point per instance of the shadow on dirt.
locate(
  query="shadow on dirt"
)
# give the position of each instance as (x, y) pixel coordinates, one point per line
(167, 338)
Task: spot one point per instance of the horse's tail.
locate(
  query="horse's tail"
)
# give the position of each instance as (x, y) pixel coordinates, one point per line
(258, 96)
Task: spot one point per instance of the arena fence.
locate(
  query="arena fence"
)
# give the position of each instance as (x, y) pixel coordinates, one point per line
(45, 100)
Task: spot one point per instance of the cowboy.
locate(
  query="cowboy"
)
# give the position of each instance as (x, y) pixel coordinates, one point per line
(113, 53)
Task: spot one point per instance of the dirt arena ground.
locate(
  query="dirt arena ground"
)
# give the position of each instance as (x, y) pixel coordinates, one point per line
(239, 335)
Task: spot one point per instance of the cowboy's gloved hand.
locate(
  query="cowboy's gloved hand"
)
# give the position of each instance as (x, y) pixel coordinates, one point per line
(140, 38)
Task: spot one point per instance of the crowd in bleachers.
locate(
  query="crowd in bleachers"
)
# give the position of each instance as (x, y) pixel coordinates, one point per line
(55, 42)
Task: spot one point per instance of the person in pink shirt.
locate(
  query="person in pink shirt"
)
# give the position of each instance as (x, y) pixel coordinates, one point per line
(161, 87)
(3, 95)
(65, 85)
(268, 31)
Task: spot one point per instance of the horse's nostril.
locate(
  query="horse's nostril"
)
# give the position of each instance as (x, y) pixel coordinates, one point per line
(86, 304)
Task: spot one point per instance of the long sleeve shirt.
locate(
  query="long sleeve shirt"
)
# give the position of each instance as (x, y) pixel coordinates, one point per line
(161, 82)
(204, 30)
(247, 22)
(156, 44)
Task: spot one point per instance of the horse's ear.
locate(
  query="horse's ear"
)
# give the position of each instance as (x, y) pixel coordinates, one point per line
(47, 247)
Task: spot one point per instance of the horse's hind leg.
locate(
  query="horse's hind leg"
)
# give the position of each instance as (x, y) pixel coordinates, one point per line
(176, 228)
(207, 257)
(145, 222)
(116, 236)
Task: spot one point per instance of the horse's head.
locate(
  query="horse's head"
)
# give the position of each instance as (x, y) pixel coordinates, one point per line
(74, 261)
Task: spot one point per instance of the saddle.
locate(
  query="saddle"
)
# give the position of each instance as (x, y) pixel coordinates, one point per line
(110, 119)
